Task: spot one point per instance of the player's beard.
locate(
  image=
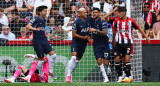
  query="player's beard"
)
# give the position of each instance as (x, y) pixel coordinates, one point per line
(96, 17)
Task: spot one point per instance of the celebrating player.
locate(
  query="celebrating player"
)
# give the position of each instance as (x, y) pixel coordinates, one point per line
(33, 72)
(124, 27)
(100, 45)
(80, 34)
(40, 43)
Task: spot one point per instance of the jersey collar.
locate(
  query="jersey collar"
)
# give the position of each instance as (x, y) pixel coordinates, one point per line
(81, 19)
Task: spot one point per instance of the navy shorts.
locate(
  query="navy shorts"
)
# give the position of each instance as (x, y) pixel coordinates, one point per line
(102, 52)
(78, 47)
(42, 47)
(122, 49)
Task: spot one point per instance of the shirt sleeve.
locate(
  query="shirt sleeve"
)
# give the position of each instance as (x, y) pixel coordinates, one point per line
(19, 3)
(74, 26)
(33, 22)
(104, 24)
(115, 23)
(135, 25)
(31, 2)
(111, 20)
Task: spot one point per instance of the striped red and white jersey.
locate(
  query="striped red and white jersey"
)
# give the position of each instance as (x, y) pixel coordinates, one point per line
(124, 30)
(154, 6)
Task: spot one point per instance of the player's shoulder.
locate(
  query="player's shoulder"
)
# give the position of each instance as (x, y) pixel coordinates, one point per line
(117, 19)
(89, 18)
(111, 18)
(77, 21)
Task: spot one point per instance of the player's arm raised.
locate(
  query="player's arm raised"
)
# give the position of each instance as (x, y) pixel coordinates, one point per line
(110, 13)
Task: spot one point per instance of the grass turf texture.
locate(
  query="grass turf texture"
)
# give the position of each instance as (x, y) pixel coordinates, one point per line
(83, 84)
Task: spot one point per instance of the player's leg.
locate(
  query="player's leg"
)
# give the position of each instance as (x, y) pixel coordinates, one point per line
(52, 60)
(98, 52)
(106, 58)
(118, 54)
(32, 70)
(20, 69)
(127, 64)
(77, 53)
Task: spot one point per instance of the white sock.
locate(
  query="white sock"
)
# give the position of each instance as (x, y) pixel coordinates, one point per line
(103, 71)
(12, 78)
(28, 76)
(40, 67)
(52, 61)
(72, 65)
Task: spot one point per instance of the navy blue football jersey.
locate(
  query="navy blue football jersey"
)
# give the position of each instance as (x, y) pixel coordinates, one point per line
(98, 38)
(38, 22)
(82, 27)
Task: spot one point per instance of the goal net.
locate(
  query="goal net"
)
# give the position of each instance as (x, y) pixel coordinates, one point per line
(12, 55)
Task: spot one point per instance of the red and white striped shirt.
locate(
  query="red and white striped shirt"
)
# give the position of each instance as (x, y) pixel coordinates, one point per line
(154, 6)
(124, 30)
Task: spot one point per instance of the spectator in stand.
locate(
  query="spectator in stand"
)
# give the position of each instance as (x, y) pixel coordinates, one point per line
(9, 16)
(156, 27)
(7, 34)
(25, 7)
(40, 3)
(110, 2)
(58, 33)
(64, 7)
(151, 34)
(68, 27)
(8, 5)
(76, 4)
(16, 24)
(23, 33)
(154, 5)
(103, 6)
(51, 26)
(3, 19)
(118, 3)
(148, 15)
(58, 18)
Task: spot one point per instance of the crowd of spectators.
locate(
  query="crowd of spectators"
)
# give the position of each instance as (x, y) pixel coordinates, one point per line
(15, 14)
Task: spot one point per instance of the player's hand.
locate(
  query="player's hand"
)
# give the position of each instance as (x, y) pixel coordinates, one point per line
(86, 37)
(148, 41)
(115, 9)
(89, 38)
(110, 40)
(38, 29)
(92, 30)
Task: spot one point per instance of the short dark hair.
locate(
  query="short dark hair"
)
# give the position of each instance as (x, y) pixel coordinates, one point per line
(55, 7)
(96, 9)
(41, 8)
(147, 4)
(122, 9)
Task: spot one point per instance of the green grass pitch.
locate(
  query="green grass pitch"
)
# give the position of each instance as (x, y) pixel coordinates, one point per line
(84, 84)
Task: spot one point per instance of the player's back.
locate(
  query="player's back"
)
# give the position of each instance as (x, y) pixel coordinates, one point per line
(38, 23)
